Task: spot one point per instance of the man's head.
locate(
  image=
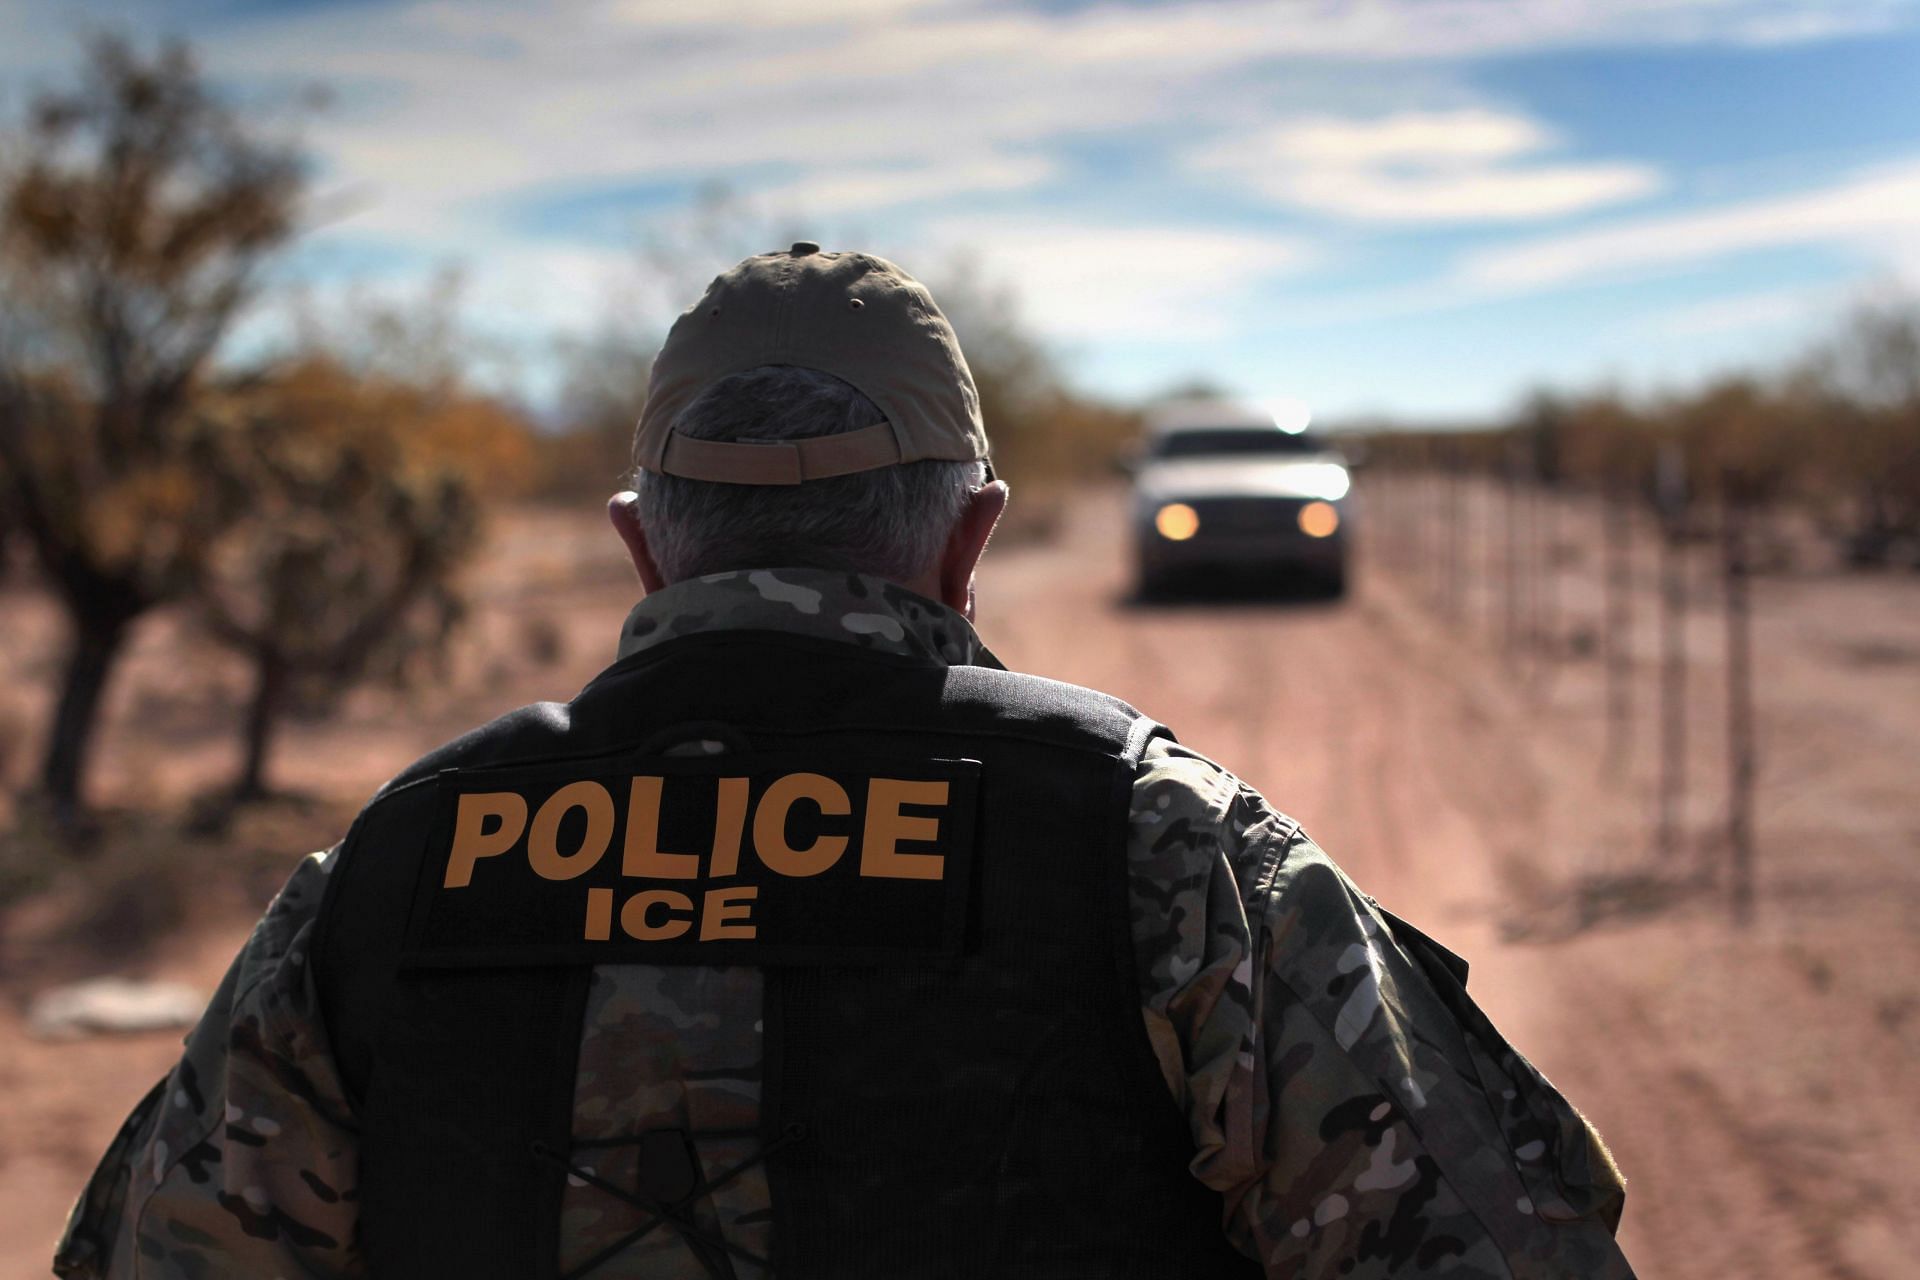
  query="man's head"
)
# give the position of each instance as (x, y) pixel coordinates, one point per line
(812, 409)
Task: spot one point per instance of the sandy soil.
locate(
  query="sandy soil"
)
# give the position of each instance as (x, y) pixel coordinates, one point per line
(1757, 1085)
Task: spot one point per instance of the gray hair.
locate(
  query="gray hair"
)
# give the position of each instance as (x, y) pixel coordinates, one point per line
(890, 522)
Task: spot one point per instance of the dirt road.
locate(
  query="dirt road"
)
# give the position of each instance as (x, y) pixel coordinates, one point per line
(1755, 1086)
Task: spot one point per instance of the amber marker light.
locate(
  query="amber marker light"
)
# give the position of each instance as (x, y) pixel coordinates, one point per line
(1319, 519)
(1177, 521)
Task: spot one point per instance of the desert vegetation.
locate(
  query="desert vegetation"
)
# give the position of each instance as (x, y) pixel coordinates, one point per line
(311, 503)
(1832, 438)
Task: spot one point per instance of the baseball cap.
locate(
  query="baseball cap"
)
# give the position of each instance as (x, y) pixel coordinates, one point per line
(852, 315)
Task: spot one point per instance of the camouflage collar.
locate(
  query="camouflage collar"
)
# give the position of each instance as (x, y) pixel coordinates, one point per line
(851, 607)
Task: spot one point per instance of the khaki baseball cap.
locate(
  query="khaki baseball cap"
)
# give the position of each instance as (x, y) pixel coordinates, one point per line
(852, 315)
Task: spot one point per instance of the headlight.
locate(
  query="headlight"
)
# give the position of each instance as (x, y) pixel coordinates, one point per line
(1176, 521)
(1319, 519)
(1327, 480)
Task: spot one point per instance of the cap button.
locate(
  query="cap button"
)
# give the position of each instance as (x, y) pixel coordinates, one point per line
(801, 248)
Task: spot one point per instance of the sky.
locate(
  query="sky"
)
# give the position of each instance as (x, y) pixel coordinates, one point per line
(1415, 208)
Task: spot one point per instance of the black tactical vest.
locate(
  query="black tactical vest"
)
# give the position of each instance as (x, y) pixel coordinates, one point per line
(995, 1111)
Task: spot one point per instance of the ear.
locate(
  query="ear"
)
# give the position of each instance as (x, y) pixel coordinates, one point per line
(624, 510)
(966, 542)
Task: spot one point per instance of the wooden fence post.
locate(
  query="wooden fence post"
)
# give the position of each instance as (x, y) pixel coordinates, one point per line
(1617, 628)
(1490, 490)
(1546, 595)
(1510, 560)
(1741, 747)
(1455, 534)
(1672, 496)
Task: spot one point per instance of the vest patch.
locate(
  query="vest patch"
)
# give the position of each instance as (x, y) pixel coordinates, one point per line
(732, 859)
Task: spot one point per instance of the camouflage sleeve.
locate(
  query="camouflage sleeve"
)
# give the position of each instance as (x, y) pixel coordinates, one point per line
(242, 1161)
(1358, 1113)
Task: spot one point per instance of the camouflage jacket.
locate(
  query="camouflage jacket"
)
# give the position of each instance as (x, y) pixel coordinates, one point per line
(1358, 1114)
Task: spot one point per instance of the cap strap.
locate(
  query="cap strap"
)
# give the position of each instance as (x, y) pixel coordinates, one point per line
(781, 461)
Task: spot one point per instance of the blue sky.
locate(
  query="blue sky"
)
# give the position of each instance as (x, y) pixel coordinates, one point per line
(1414, 207)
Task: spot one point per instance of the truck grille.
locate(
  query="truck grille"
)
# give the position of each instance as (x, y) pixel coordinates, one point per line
(1230, 516)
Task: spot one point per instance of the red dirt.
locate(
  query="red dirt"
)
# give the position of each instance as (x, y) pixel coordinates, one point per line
(1755, 1084)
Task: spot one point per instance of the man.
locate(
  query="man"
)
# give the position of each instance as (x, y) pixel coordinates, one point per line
(807, 939)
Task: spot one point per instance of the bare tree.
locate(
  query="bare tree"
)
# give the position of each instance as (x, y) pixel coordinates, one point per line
(136, 212)
(677, 257)
(362, 503)
(604, 369)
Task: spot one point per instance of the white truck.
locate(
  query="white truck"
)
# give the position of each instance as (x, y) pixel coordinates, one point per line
(1223, 487)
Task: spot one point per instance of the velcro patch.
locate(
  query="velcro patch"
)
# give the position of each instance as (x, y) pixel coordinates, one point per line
(731, 859)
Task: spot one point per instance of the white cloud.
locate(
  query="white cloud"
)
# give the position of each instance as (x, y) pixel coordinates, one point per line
(863, 189)
(455, 120)
(1876, 213)
(1412, 137)
(1079, 283)
(1765, 309)
(1469, 165)
(1492, 196)
(1796, 25)
(781, 14)
(517, 295)
(449, 111)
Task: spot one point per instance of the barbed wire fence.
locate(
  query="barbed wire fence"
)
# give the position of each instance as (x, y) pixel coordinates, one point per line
(1435, 504)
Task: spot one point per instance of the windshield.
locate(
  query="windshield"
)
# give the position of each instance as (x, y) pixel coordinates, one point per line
(1233, 442)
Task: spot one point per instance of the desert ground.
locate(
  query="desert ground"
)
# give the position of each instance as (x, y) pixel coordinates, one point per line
(1757, 1084)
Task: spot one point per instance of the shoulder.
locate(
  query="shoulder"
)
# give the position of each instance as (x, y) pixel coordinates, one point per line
(535, 730)
(1186, 808)
(399, 814)
(1071, 714)
(1202, 851)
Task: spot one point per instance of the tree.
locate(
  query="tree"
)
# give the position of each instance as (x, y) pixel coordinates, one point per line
(603, 388)
(1543, 423)
(1043, 432)
(136, 213)
(1861, 400)
(361, 502)
(1743, 436)
(1041, 429)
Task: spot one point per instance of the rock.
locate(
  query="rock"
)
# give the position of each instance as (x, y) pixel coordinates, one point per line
(103, 1005)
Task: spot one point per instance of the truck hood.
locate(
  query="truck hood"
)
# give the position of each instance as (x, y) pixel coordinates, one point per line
(1314, 476)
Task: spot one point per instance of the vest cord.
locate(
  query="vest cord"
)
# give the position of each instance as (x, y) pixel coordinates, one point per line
(678, 1214)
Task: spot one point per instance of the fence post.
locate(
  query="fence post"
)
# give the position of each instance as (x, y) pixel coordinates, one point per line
(1428, 548)
(1546, 595)
(1741, 746)
(1436, 532)
(1510, 561)
(1397, 515)
(1671, 491)
(1526, 457)
(1454, 533)
(1489, 484)
(1617, 628)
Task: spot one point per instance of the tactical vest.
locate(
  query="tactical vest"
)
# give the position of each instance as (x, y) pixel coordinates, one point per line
(991, 1107)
